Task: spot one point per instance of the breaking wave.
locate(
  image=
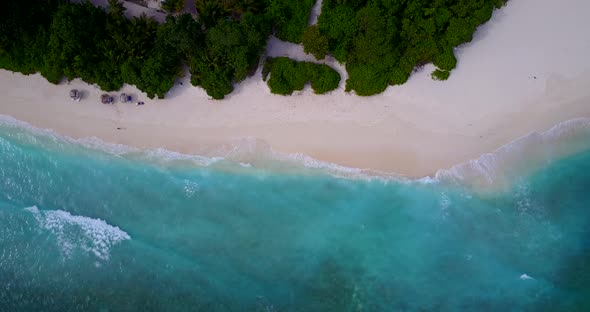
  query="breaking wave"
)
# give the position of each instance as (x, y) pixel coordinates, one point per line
(522, 156)
(78, 233)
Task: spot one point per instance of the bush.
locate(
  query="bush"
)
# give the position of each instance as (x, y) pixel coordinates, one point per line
(230, 51)
(62, 39)
(398, 76)
(81, 40)
(287, 75)
(365, 80)
(315, 43)
(382, 42)
(445, 60)
(440, 74)
(290, 18)
(323, 78)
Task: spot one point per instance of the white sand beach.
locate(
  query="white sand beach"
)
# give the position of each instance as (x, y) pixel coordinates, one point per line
(526, 70)
(133, 9)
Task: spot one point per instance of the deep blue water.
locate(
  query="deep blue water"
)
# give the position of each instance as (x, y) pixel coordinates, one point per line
(83, 229)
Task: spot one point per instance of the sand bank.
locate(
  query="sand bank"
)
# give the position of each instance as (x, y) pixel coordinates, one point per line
(526, 70)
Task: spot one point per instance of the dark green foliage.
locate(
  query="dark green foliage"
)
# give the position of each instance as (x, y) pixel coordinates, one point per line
(212, 12)
(290, 18)
(76, 45)
(315, 43)
(459, 30)
(339, 24)
(179, 39)
(229, 48)
(81, 40)
(23, 44)
(287, 76)
(399, 75)
(116, 8)
(323, 78)
(445, 60)
(231, 53)
(382, 41)
(368, 80)
(173, 5)
(440, 74)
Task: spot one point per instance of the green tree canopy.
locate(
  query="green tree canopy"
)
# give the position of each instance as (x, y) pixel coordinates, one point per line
(287, 76)
(380, 41)
(315, 43)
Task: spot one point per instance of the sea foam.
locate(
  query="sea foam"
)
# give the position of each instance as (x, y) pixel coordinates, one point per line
(250, 155)
(79, 233)
(246, 154)
(521, 156)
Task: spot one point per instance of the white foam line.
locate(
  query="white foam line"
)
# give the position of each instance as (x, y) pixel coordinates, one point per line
(487, 167)
(92, 143)
(490, 166)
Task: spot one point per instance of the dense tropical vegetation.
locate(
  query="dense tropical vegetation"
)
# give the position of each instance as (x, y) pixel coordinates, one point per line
(380, 41)
(287, 75)
(383, 41)
(173, 5)
(290, 18)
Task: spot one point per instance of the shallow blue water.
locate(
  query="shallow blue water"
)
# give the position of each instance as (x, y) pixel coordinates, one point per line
(87, 230)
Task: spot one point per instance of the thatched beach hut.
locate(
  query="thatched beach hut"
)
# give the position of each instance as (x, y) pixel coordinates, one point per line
(106, 99)
(75, 95)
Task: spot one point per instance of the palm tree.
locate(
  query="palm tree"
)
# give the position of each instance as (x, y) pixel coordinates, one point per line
(116, 8)
(210, 11)
(276, 11)
(240, 7)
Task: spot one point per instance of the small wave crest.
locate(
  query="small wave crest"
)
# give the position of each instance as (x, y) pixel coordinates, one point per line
(79, 233)
(521, 156)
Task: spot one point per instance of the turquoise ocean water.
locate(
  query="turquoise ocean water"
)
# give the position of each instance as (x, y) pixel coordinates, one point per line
(87, 227)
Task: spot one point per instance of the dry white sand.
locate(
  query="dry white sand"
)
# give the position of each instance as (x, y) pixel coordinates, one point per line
(135, 10)
(526, 70)
(316, 10)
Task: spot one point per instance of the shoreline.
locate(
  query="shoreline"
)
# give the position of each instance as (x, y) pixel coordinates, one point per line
(510, 81)
(492, 171)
